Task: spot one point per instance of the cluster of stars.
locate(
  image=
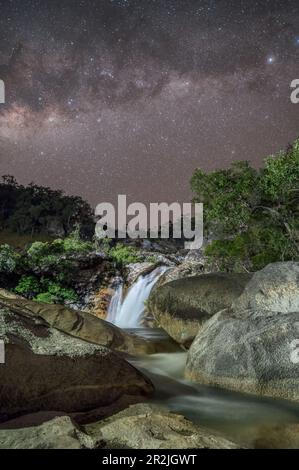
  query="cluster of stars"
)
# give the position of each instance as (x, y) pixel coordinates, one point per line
(127, 96)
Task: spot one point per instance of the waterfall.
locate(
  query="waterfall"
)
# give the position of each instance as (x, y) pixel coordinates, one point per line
(128, 314)
(115, 303)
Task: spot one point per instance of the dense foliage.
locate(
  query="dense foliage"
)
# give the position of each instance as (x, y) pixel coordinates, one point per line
(35, 209)
(44, 271)
(251, 215)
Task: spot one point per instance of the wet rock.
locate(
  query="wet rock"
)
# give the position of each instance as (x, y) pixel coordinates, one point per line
(100, 302)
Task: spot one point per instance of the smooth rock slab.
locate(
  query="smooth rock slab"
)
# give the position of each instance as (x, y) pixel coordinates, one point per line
(151, 427)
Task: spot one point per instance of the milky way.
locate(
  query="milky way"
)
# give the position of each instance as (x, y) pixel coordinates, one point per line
(130, 96)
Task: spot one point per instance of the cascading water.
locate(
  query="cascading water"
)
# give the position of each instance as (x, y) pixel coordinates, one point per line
(115, 303)
(128, 314)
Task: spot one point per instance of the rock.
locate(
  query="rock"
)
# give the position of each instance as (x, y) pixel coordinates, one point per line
(100, 302)
(279, 437)
(150, 427)
(254, 353)
(188, 268)
(181, 307)
(250, 347)
(275, 289)
(46, 369)
(59, 433)
(134, 270)
(79, 324)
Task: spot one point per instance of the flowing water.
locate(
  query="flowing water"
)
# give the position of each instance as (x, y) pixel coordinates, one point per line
(128, 313)
(241, 417)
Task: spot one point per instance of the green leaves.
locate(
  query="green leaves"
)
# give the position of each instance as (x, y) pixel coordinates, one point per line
(123, 255)
(253, 214)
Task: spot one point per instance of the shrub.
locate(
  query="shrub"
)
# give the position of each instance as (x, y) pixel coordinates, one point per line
(28, 286)
(9, 259)
(123, 255)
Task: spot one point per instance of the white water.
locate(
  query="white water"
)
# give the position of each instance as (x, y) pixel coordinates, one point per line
(115, 304)
(129, 313)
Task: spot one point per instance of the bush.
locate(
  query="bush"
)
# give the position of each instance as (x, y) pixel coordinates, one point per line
(123, 255)
(45, 298)
(28, 286)
(9, 259)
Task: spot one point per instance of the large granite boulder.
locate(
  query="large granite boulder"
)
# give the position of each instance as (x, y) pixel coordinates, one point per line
(181, 307)
(46, 369)
(249, 347)
(58, 433)
(151, 427)
(275, 289)
(79, 324)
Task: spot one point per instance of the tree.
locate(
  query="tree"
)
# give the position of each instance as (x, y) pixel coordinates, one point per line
(253, 214)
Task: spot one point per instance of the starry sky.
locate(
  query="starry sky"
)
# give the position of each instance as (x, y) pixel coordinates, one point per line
(107, 97)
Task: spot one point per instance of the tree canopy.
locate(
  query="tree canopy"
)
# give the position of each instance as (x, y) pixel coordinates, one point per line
(251, 216)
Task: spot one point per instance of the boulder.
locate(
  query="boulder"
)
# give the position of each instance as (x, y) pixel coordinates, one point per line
(151, 427)
(249, 347)
(254, 355)
(275, 289)
(58, 433)
(46, 369)
(278, 437)
(79, 324)
(181, 307)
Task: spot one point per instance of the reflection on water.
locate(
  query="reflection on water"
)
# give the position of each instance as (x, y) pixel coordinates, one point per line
(237, 415)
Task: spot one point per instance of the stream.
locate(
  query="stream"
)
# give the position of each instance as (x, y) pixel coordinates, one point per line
(238, 416)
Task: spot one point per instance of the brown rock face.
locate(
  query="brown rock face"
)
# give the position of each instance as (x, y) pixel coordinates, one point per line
(101, 301)
(181, 307)
(46, 369)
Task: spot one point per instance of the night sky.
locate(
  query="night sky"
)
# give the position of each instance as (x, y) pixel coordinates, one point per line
(128, 97)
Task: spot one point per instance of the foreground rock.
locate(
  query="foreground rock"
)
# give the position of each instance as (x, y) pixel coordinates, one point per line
(279, 437)
(254, 349)
(78, 324)
(181, 307)
(59, 433)
(151, 427)
(48, 370)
